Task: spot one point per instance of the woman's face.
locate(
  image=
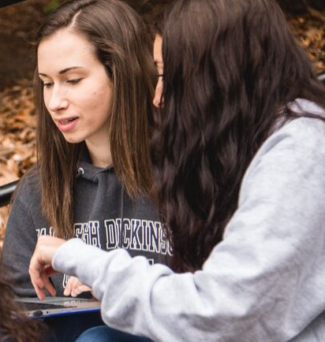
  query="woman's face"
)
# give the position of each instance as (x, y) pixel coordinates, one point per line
(157, 55)
(77, 91)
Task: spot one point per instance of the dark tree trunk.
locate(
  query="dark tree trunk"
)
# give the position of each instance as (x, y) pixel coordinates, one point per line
(297, 6)
(4, 3)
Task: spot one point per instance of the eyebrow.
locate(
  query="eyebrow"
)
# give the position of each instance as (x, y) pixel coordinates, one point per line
(64, 71)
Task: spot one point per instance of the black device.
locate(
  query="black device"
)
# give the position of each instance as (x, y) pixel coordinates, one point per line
(4, 3)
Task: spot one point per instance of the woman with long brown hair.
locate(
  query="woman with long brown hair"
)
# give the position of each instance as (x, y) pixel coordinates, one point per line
(240, 164)
(94, 84)
(93, 132)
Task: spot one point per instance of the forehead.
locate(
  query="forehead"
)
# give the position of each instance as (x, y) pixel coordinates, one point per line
(64, 49)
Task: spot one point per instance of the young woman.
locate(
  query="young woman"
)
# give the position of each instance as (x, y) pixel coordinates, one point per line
(154, 17)
(241, 185)
(94, 84)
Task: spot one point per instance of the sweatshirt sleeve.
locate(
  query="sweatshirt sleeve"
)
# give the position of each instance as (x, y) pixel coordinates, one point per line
(18, 247)
(261, 283)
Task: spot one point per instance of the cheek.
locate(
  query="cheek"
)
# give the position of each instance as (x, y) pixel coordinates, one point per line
(97, 96)
(158, 101)
(160, 85)
(101, 102)
(105, 96)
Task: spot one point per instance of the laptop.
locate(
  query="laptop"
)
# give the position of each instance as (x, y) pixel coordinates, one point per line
(57, 306)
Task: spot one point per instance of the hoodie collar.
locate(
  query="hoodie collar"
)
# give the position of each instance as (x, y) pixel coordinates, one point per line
(87, 170)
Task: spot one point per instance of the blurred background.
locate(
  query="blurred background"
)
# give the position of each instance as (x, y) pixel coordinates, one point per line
(18, 23)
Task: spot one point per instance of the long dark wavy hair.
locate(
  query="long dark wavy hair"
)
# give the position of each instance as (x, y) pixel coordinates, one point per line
(231, 67)
(123, 47)
(13, 323)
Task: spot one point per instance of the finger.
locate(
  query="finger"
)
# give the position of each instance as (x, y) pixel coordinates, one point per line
(39, 291)
(74, 282)
(74, 293)
(84, 288)
(80, 289)
(34, 272)
(38, 287)
(67, 291)
(75, 288)
(48, 285)
(68, 287)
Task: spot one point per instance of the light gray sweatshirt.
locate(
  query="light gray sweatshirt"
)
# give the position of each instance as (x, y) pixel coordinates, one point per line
(265, 282)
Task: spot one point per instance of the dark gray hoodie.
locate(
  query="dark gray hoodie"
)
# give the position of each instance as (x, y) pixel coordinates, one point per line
(101, 204)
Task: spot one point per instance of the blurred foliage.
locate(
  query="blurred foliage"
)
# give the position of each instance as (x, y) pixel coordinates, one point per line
(52, 5)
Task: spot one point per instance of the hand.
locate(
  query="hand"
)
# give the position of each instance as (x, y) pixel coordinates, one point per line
(75, 287)
(40, 268)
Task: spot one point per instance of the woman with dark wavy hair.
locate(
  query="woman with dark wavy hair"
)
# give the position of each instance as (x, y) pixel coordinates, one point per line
(236, 82)
(240, 164)
(14, 325)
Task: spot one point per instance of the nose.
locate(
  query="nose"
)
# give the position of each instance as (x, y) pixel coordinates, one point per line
(56, 100)
(158, 100)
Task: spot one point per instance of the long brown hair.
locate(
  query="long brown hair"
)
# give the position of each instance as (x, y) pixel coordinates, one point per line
(231, 67)
(13, 323)
(121, 43)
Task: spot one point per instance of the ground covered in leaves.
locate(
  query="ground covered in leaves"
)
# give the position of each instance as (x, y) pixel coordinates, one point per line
(17, 113)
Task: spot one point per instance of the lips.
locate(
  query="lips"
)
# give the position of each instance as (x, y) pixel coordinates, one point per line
(66, 121)
(67, 124)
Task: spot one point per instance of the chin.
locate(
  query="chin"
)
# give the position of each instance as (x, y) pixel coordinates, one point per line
(72, 140)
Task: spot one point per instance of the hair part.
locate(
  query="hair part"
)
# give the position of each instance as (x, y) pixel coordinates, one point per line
(231, 67)
(122, 46)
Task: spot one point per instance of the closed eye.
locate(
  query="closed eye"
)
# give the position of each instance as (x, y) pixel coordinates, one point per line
(47, 84)
(74, 81)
